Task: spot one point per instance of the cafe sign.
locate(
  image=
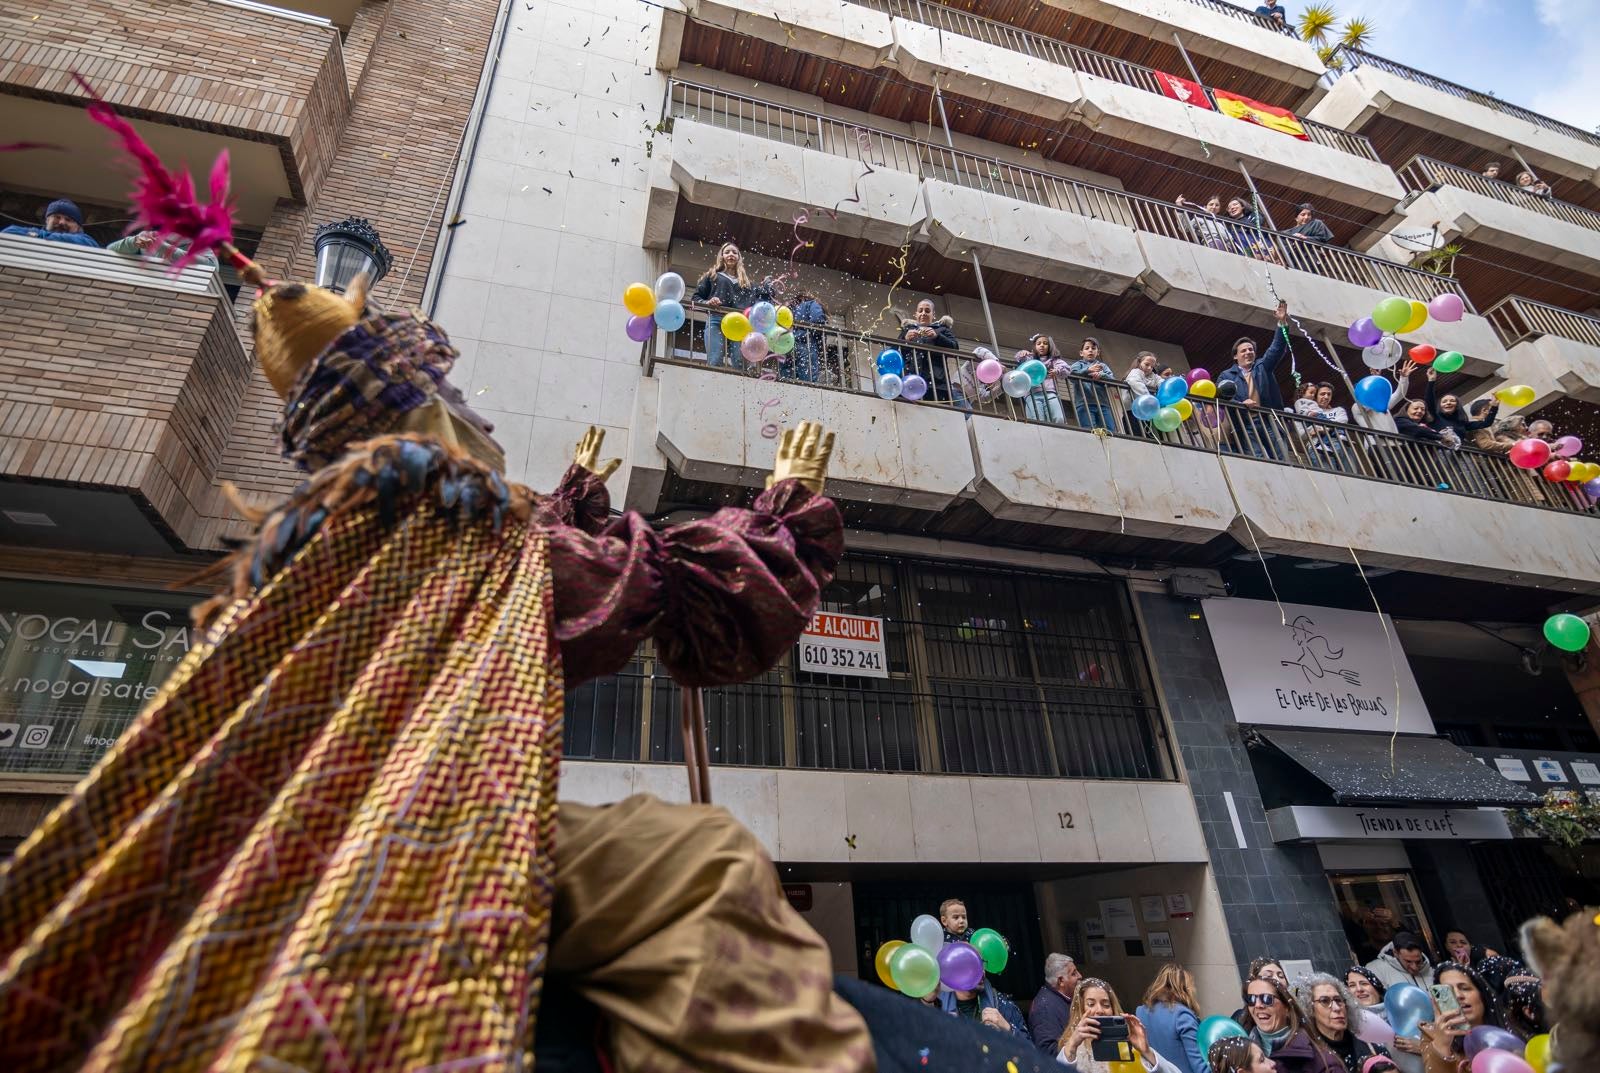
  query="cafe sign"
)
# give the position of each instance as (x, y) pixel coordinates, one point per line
(1322, 823)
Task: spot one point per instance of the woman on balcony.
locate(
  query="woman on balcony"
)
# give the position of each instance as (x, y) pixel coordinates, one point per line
(1204, 225)
(929, 364)
(1446, 415)
(1244, 226)
(726, 286)
(1326, 447)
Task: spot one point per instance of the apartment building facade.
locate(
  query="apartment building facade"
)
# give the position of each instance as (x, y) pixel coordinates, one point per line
(1071, 716)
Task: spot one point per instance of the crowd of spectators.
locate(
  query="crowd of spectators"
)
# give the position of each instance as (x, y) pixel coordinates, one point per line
(1236, 227)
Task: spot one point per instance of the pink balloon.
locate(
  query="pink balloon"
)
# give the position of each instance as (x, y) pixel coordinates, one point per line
(1567, 447)
(641, 329)
(1196, 374)
(1495, 1060)
(1374, 1029)
(1529, 453)
(990, 371)
(755, 347)
(1447, 308)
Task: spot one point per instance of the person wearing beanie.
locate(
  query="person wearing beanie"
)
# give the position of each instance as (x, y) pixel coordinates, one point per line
(63, 222)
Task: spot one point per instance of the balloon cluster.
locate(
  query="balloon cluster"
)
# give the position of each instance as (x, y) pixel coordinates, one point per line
(761, 331)
(1494, 1050)
(893, 380)
(1170, 407)
(1375, 335)
(919, 967)
(1554, 460)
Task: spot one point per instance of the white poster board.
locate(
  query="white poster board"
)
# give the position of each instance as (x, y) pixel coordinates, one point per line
(1117, 914)
(836, 643)
(1326, 668)
(1160, 944)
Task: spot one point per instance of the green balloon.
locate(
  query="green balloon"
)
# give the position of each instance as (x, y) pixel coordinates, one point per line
(1392, 314)
(1167, 418)
(780, 340)
(991, 946)
(1567, 632)
(1448, 362)
(914, 971)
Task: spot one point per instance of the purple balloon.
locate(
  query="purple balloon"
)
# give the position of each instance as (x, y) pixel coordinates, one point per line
(1447, 308)
(960, 967)
(641, 328)
(1592, 488)
(1487, 1037)
(1196, 374)
(1364, 333)
(1495, 1060)
(914, 387)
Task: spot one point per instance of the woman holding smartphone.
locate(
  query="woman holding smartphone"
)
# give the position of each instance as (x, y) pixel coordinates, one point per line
(1469, 1003)
(1095, 1012)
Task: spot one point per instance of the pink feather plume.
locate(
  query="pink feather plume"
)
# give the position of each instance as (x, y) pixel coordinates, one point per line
(165, 202)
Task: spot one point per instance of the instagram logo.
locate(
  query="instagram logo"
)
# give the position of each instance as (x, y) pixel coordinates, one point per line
(36, 736)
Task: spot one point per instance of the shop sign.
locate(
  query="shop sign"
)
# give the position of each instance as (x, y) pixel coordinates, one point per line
(836, 643)
(1318, 667)
(1317, 823)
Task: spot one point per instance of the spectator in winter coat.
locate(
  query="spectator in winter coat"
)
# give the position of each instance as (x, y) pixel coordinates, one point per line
(807, 341)
(1276, 1025)
(1170, 1021)
(1092, 1000)
(1142, 378)
(1413, 425)
(1244, 226)
(1445, 413)
(63, 222)
(1256, 386)
(1308, 227)
(1047, 1017)
(987, 1006)
(1327, 447)
(1532, 186)
(1042, 403)
(726, 288)
(1332, 1019)
(1090, 402)
(930, 365)
(1204, 224)
(953, 915)
(1405, 960)
(1500, 436)
(158, 247)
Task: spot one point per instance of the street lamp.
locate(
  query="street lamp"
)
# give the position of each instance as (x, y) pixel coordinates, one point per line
(347, 248)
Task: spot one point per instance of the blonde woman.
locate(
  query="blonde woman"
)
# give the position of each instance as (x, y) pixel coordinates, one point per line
(724, 288)
(1092, 1000)
(1169, 1018)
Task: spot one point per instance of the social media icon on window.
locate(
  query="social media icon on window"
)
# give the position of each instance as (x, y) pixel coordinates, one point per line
(37, 736)
(8, 734)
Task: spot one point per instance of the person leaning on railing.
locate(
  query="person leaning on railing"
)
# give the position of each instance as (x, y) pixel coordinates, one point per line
(1204, 224)
(1327, 447)
(156, 247)
(1090, 402)
(924, 328)
(63, 222)
(807, 359)
(1042, 403)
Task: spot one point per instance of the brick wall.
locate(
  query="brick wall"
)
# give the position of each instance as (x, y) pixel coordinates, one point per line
(194, 63)
(1276, 898)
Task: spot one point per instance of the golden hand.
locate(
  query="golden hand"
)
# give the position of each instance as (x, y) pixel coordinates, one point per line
(587, 454)
(803, 454)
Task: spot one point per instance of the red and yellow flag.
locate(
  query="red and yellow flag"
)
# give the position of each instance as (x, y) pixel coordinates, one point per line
(1181, 89)
(1279, 119)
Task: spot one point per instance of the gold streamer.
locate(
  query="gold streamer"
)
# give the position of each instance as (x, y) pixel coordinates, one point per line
(1103, 436)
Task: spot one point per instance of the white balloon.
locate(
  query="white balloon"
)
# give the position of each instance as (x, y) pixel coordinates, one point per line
(927, 933)
(669, 288)
(1016, 383)
(1383, 354)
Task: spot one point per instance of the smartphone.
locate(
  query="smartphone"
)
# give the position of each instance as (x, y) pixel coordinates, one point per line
(1444, 997)
(1113, 1045)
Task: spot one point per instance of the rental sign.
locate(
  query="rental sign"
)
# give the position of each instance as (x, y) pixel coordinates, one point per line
(836, 643)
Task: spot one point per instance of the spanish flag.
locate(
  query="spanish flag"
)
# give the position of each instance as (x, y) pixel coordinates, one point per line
(1279, 119)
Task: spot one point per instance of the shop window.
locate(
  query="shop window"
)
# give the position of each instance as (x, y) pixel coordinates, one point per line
(76, 664)
(1376, 906)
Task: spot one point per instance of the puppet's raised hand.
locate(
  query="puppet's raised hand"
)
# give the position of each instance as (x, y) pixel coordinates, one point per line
(803, 454)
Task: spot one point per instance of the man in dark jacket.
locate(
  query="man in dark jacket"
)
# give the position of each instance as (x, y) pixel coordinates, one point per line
(986, 1006)
(1256, 388)
(1047, 1017)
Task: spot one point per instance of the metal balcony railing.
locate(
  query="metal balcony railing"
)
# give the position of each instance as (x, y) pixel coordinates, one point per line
(1518, 319)
(1357, 58)
(1039, 46)
(881, 149)
(835, 359)
(1245, 14)
(1425, 173)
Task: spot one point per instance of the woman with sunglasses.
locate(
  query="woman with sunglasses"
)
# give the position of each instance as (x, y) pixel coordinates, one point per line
(1276, 1025)
(1332, 1017)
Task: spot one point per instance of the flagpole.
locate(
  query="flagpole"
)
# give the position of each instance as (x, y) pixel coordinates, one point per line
(1256, 194)
(1194, 74)
(977, 266)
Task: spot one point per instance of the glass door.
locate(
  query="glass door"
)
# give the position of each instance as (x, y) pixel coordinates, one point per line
(1375, 906)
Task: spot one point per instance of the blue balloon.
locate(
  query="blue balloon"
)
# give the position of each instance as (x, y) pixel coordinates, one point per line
(1145, 407)
(1171, 390)
(669, 315)
(1407, 1004)
(890, 361)
(1373, 392)
(1035, 370)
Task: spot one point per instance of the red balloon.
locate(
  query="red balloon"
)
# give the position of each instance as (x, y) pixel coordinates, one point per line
(1530, 453)
(1558, 471)
(1423, 354)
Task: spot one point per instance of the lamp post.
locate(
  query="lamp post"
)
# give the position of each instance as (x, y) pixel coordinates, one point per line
(347, 248)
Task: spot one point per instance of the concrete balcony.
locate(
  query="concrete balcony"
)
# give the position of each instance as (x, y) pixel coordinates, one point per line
(1554, 351)
(1372, 88)
(890, 189)
(1462, 204)
(269, 85)
(991, 61)
(119, 386)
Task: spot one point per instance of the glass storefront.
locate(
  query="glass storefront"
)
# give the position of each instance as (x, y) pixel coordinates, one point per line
(1376, 906)
(76, 664)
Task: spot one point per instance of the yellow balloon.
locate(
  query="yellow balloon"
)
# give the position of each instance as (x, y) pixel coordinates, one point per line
(1126, 1067)
(1419, 317)
(1205, 389)
(881, 961)
(1515, 395)
(639, 299)
(1185, 408)
(1583, 472)
(1537, 1052)
(736, 326)
(785, 317)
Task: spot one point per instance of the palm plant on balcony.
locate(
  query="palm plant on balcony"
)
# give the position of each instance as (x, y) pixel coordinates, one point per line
(1441, 261)
(1319, 25)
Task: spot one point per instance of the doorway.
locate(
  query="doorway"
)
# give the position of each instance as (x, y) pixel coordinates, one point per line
(1376, 906)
